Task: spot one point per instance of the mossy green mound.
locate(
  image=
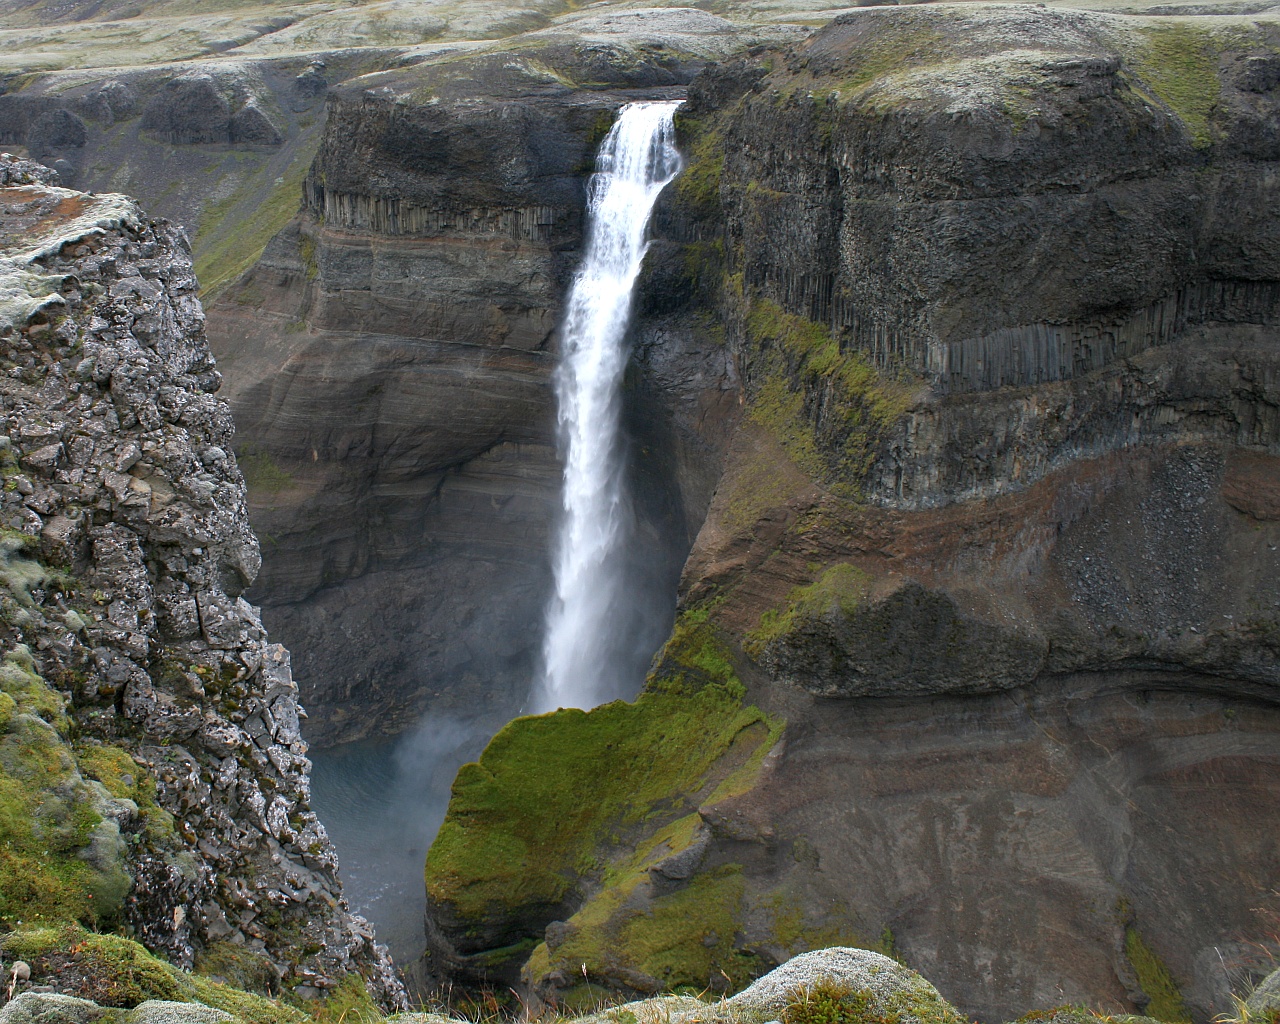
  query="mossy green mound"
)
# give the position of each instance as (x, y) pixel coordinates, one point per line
(60, 857)
(573, 801)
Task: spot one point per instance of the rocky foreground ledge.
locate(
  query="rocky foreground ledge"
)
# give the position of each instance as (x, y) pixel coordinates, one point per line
(153, 780)
(839, 985)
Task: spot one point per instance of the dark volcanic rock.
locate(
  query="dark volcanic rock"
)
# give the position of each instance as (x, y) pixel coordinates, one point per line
(119, 471)
(416, 303)
(996, 529)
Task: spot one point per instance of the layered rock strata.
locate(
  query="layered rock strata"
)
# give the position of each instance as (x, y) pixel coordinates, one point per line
(132, 655)
(416, 302)
(995, 535)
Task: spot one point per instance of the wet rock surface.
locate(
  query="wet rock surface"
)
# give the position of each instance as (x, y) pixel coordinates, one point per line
(131, 551)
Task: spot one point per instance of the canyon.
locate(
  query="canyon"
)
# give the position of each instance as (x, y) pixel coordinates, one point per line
(952, 425)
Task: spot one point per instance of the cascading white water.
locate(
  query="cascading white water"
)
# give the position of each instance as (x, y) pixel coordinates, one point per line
(636, 161)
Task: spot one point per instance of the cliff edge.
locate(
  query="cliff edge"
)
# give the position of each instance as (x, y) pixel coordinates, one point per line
(152, 774)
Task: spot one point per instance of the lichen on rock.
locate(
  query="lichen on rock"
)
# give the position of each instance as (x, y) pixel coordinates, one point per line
(181, 812)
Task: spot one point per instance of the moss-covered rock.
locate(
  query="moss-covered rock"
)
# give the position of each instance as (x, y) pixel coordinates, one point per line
(842, 985)
(111, 971)
(521, 846)
(62, 854)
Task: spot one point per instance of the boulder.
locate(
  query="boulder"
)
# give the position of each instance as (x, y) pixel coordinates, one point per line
(53, 1008)
(1265, 999)
(880, 987)
(162, 1011)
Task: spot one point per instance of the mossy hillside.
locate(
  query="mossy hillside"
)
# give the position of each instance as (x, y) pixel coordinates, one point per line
(234, 230)
(679, 940)
(1179, 63)
(793, 932)
(841, 589)
(697, 189)
(49, 815)
(263, 476)
(629, 935)
(550, 791)
(579, 800)
(829, 409)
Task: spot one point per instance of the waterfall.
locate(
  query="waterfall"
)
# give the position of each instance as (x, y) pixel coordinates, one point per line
(636, 160)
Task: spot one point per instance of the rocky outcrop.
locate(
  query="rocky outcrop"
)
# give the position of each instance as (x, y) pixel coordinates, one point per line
(994, 534)
(152, 723)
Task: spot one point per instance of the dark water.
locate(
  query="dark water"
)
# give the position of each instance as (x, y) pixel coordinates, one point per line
(382, 801)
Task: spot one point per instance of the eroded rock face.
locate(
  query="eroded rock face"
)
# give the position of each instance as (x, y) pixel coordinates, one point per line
(122, 488)
(995, 532)
(415, 303)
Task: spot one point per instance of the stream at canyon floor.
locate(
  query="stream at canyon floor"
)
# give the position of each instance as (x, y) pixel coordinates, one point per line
(382, 801)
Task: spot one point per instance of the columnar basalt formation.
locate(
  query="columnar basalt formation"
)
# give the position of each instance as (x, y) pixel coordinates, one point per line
(996, 534)
(133, 663)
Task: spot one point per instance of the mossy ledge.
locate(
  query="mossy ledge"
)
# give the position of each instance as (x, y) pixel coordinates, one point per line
(565, 812)
(119, 974)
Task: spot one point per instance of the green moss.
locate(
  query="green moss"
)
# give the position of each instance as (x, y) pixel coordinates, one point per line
(763, 480)
(842, 588)
(236, 966)
(1180, 65)
(694, 655)
(349, 1002)
(800, 368)
(520, 826)
(686, 938)
(307, 253)
(262, 474)
(20, 575)
(115, 971)
(827, 1002)
(235, 230)
(47, 813)
(1155, 980)
(892, 50)
(698, 186)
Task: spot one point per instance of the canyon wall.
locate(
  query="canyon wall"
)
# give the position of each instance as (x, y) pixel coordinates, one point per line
(389, 367)
(980, 631)
(154, 776)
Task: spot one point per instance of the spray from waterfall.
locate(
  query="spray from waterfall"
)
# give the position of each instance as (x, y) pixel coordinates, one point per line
(636, 160)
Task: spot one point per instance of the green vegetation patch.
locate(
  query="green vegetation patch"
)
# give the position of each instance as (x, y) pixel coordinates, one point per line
(832, 1002)
(828, 409)
(125, 779)
(684, 938)
(115, 971)
(262, 474)
(235, 230)
(698, 186)
(550, 791)
(1180, 65)
(1155, 980)
(892, 49)
(48, 815)
(842, 589)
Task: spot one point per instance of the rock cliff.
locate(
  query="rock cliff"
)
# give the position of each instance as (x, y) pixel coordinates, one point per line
(152, 771)
(995, 537)
(415, 301)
